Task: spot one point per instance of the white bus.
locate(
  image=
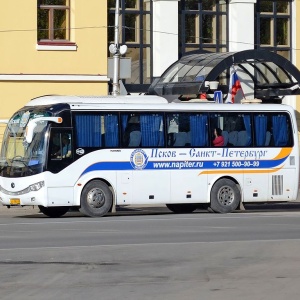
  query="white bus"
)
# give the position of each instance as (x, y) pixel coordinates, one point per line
(96, 153)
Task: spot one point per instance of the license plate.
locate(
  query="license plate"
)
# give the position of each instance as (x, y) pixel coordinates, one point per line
(15, 202)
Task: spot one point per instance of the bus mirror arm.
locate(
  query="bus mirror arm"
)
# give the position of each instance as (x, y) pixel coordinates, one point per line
(33, 123)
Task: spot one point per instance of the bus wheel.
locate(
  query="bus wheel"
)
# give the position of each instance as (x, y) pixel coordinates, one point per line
(54, 212)
(225, 196)
(182, 208)
(96, 199)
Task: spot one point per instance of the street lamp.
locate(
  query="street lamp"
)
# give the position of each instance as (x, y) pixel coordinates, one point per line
(116, 50)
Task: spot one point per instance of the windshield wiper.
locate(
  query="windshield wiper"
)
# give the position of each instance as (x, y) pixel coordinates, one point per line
(20, 159)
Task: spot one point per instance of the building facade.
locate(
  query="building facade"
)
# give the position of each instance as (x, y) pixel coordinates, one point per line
(60, 46)
(51, 47)
(181, 27)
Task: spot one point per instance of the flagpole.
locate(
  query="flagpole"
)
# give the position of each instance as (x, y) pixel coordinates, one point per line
(234, 70)
(234, 85)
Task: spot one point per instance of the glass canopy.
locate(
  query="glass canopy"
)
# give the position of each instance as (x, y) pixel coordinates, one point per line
(271, 75)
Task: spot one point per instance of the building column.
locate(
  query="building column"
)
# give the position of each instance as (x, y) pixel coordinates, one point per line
(241, 25)
(165, 35)
(241, 37)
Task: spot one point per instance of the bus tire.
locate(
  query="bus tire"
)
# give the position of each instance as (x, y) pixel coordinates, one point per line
(225, 196)
(54, 212)
(182, 208)
(96, 199)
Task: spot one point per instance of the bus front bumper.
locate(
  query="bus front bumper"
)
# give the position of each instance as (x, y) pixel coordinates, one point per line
(31, 195)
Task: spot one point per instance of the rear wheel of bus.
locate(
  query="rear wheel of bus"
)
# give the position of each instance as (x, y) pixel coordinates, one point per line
(96, 199)
(225, 196)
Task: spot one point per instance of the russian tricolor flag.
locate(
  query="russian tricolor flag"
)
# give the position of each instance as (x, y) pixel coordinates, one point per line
(234, 86)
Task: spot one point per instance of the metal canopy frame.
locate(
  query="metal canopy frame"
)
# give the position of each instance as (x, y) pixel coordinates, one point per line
(188, 75)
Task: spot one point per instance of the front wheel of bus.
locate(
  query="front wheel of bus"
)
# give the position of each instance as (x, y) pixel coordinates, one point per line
(96, 199)
(54, 212)
(225, 196)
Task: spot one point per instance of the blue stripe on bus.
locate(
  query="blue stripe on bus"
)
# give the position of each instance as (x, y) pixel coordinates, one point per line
(174, 165)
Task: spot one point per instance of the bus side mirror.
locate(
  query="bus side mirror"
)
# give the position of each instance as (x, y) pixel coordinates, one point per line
(33, 123)
(29, 131)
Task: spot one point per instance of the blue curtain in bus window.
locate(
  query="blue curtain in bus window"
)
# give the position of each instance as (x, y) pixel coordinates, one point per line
(88, 130)
(247, 123)
(151, 135)
(260, 123)
(124, 122)
(280, 131)
(199, 131)
(111, 131)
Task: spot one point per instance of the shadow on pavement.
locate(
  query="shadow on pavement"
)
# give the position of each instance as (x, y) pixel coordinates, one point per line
(29, 212)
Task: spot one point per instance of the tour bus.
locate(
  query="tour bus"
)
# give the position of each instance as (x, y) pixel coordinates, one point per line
(99, 153)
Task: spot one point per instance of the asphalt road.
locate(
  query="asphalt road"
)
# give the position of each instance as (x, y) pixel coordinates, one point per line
(151, 253)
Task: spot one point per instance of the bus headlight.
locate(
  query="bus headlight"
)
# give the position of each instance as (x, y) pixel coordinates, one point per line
(36, 186)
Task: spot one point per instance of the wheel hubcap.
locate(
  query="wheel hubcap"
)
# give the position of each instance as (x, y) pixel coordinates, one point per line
(96, 198)
(225, 195)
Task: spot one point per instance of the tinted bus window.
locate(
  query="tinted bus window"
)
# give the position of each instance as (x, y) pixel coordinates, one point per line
(97, 130)
(273, 130)
(142, 130)
(236, 128)
(187, 130)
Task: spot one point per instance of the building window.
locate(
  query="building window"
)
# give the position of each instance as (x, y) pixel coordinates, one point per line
(135, 23)
(203, 26)
(273, 26)
(53, 20)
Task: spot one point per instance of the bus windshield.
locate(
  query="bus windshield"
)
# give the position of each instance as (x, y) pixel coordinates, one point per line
(19, 158)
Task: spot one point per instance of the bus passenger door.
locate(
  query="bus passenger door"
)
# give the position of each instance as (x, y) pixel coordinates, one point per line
(60, 153)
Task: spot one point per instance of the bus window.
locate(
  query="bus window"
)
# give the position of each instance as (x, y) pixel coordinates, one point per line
(236, 128)
(187, 130)
(96, 130)
(131, 130)
(280, 130)
(61, 146)
(272, 130)
(60, 150)
(142, 130)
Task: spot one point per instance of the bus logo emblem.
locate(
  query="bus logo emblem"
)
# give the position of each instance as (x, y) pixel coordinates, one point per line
(79, 151)
(138, 159)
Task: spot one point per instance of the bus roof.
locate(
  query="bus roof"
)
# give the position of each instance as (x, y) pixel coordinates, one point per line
(55, 99)
(148, 103)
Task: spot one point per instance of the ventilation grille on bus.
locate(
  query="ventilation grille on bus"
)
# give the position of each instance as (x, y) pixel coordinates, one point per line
(277, 184)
